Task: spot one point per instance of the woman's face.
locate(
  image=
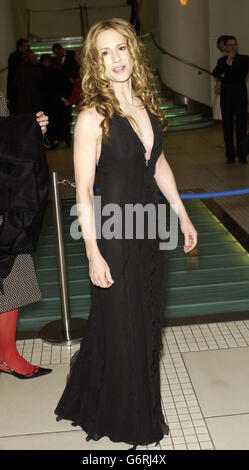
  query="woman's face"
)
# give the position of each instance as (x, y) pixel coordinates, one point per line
(117, 59)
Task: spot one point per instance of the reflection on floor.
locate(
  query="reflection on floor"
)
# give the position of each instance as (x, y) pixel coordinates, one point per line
(204, 389)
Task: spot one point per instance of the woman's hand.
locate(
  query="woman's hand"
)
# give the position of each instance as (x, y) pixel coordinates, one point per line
(190, 235)
(42, 120)
(99, 271)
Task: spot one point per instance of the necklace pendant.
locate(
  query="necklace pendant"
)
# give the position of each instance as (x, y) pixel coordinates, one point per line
(146, 162)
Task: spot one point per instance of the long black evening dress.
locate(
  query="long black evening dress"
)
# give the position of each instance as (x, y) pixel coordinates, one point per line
(113, 387)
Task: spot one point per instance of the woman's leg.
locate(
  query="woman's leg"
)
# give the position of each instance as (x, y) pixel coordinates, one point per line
(8, 351)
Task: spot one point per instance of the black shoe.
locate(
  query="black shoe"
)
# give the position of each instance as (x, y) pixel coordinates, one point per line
(243, 160)
(38, 371)
(230, 160)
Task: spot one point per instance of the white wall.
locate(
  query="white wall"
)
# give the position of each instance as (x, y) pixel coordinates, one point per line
(67, 23)
(184, 32)
(191, 32)
(230, 17)
(7, 38)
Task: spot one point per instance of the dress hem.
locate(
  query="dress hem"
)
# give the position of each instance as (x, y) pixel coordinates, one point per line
(97, 437)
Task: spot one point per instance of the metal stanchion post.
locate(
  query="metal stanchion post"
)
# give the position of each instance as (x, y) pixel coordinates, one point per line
(67, 330)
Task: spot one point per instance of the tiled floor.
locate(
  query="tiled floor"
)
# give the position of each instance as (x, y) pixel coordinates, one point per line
(204, 388)
(204, 368)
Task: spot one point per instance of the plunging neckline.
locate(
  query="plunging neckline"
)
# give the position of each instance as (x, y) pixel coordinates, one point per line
(136, 134)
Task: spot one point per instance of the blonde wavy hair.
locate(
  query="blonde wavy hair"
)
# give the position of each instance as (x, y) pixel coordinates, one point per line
(96, 88)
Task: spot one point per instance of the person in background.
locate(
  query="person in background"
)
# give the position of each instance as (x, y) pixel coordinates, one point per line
(14, 60)
(216, 108)
(27, 84)
(58, 85)
(75, 97)
(44, 61)
(245, 145)
(216, 104)
(70, 67)
(67, 59)
(231, 70)
(44, 64)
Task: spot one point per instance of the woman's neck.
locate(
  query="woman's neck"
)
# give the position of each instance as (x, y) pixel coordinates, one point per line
(124, 93)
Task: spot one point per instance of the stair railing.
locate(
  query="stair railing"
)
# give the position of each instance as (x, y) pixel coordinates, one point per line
(183, 61)
(4, 69)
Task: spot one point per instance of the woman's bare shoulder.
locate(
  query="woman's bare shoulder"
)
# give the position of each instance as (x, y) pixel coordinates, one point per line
(89, 118)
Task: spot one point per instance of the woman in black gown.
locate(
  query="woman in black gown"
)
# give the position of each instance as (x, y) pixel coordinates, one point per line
(113, 388)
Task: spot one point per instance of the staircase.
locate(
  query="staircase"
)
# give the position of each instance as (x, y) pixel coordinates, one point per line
(179, 117)
(214, 282)
(45, 46)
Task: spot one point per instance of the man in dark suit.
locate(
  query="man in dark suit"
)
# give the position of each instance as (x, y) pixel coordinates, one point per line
(232, 70)
(68, 63)
(70, 67)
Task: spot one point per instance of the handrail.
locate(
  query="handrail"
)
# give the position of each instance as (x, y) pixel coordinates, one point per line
(76, 8)
(53, 9)
(3, 70)
(106, 6)
(183, 61)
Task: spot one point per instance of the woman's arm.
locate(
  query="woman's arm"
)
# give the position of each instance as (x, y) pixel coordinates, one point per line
(86, 134)
(166, 183)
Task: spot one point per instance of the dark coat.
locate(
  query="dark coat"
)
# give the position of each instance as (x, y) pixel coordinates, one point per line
(70, 67)
(14, 61)
(28, 87)
(232, 77)
(24, 180)
(58, 86)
